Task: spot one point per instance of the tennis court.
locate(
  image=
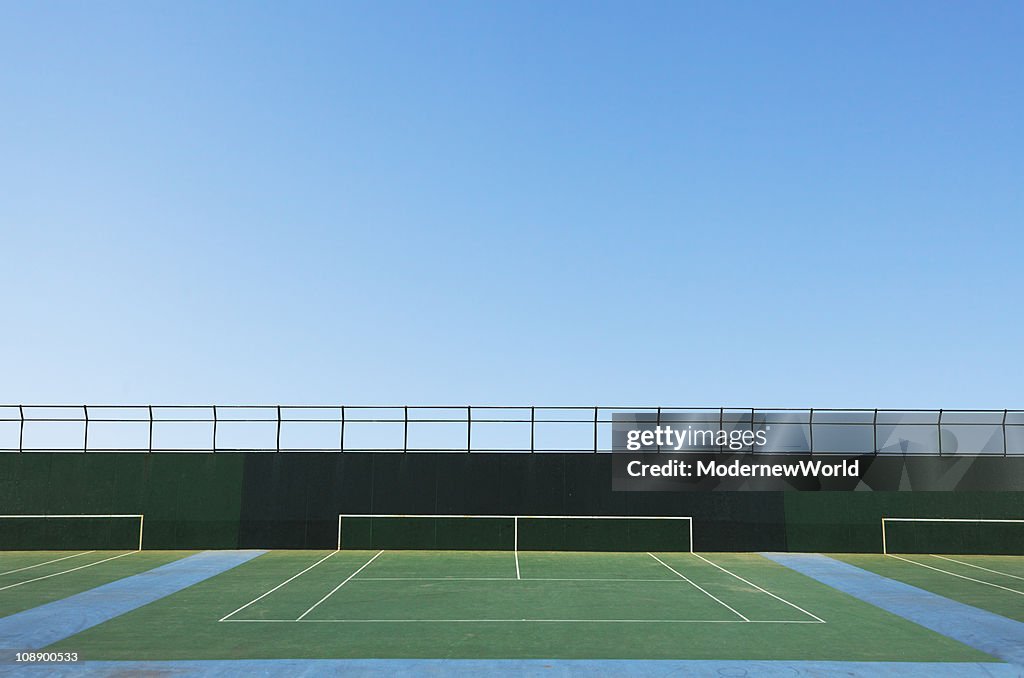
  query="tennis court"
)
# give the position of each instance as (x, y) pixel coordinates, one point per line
(514, 603)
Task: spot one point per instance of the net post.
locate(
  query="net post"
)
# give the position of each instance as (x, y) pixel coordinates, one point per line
(690, 521)
(142, 520)
(884, 552)
(339, 532)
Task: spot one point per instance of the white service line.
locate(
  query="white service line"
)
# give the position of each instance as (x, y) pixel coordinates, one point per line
(56, 574)
(55, 560)
(954, 560)
(698, 587)
(954, 574)
(762, 590)
(294, 576)
(663, 580)
(340, 585)
(520, 621)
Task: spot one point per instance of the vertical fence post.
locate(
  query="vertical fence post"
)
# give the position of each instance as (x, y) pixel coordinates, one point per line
(721, 424)
(533, 421)
(658, 425)
(1005, 448)
(938, 425)
(595, 430)
(21, 429)
(150, 429)
(341, 441)
(214, 429)
(469, 429)
(405, 430)
(810, 432)
(874, 432)
(85, 437)
(752, 450)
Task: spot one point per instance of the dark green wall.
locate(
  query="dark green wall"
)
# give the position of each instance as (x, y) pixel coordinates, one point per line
(291, 500)
(851, 521)
(189, 500)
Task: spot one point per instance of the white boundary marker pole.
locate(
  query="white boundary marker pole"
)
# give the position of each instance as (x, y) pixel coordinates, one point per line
(699, 588)
(885, 551)
(332, 592)
(515, 543)
(264, 595)
(140, 516)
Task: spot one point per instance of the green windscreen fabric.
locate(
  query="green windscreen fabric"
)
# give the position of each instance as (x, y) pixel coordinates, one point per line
(77, 533)
(603, 534)
(986, 538)
(477, 534)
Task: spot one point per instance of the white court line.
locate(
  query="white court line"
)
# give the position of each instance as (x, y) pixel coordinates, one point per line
(517, 564)
(340, 585)
(618, 579)
(954, 574)
(55, 560)
(954, 560)
(698, 587)
(225, 617)
(520, 621)
(762, 590)
(56, 574)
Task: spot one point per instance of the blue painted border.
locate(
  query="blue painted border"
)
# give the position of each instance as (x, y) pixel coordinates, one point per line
(983, 630)
(527, 668)
(41, 626)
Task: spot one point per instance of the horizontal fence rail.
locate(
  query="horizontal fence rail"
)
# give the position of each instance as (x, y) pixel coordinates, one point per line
(484, 429)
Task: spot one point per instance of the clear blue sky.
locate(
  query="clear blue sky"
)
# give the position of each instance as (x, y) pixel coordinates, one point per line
(688, 203)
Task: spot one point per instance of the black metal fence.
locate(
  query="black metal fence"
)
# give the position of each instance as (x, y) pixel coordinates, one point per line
(488, 429)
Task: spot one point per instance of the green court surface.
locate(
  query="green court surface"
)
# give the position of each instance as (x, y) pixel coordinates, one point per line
(500, 604)
(993, 583)
(32, 578)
